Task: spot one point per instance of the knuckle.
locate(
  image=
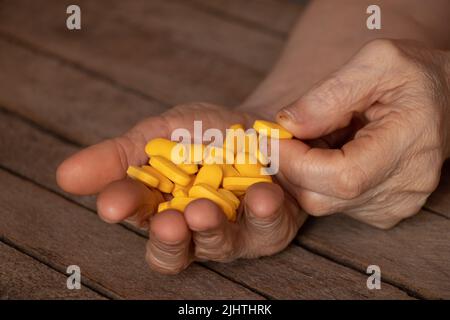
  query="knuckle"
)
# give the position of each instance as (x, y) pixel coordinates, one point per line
(349, 183)
(314, 206)
(382, 47)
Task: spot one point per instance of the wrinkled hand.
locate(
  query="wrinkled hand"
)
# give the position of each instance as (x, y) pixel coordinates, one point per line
(387, 169)
(267, 220)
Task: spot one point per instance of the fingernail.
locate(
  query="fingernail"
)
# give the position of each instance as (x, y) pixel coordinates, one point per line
(286, 115)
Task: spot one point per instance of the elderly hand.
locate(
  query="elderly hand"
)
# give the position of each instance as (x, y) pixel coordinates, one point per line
(267, 220)
(389, 167)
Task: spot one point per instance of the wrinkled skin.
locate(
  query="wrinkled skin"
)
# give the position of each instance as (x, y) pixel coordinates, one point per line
(268, 219)
(387, 170)
(375, 135)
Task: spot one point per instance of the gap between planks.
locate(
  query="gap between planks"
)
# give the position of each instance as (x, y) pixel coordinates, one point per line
(134, 230)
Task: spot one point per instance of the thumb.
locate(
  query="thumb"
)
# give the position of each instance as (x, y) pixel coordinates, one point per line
(331, 104)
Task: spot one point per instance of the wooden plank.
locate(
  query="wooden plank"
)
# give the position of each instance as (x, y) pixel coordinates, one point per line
(22, 277)
(276, 274)
(274, 15)
(439, 201)
(167, 50)
(415, 255)
(61, 98)
(111, 258)
(297, 274)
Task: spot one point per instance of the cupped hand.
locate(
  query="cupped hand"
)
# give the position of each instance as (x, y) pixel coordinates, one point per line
(387, 169)
(267, 221)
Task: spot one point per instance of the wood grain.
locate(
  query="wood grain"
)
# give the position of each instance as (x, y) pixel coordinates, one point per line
(22, 277)
(274, 15)
(415, 255)
(61, 98)
(276, 277)
(169, 51)
(297, 274)
(439, 201)
(110, 257)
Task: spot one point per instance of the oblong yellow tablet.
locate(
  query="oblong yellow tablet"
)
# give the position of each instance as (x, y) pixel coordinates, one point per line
(211, 175)
(181, 191)
(266, 127)
(160, 147)
(189, 168)
(230, 197)
(180, 203)
(165, 185)
(170, 170)
(143, 176)
(208, 192)
(163, 206)
(243, 183)
(217, 155)
(248, 166)
(229, 171)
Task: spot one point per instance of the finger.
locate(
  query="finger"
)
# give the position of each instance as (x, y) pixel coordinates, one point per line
(331, 104)
(169, 245)
(91, 169)
(214, 237)
(270, 221)
(347, 172)
(128, 199)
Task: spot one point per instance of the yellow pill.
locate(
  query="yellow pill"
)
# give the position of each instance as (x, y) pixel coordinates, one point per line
(242, 183)
(229, 171)
(230, 197)
(170, 170)
(248, 166)
(176, 152)
(163, 206)
(237, 126)
(141, 175)
(160, 147)
(180, 203)
(211, 175)
(190, 168)
(217, 155)
(181, 191)
(266, 127)
(165, 185)
(234, 134)
(208, 192)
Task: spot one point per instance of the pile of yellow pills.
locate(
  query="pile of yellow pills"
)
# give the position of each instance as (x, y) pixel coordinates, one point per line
(221, 174)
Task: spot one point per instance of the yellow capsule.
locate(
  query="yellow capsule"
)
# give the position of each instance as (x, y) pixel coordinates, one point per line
(170, 170)
(266, 127)
(230, 197)
(190, 168)
(165, 185)
(181, 191)
(248, 166)
(229, 171)
(141, 175)
(242, 183)
(180, 203)
(208, 192)
(211, 175)
(163, 206)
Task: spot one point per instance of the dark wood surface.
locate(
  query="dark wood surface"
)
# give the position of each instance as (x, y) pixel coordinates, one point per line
(60, 91)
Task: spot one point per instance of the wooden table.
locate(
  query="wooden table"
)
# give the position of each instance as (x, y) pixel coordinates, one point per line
(61, 90)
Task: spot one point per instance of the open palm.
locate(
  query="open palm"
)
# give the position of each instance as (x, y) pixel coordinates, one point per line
(267, 221)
